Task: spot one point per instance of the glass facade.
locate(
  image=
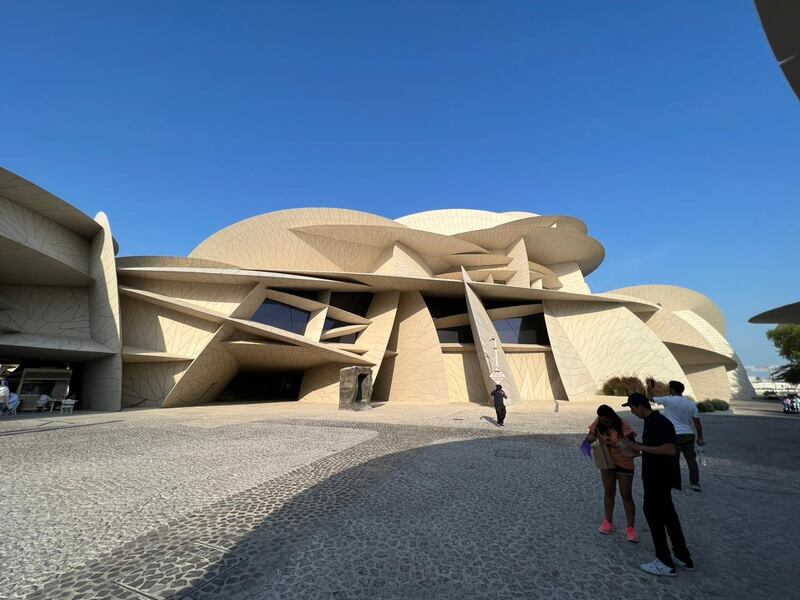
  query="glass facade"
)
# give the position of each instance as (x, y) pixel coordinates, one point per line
(523, 330)
(282, 316)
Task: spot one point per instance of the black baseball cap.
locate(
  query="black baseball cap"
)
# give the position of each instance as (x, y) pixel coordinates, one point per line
(637, 400)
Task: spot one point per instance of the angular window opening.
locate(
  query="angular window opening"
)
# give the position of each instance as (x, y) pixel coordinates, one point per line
(529, 329)
(267, 386)
(282, 316)
(455, 335)
(353, 302)
(445, 307)
(332, 324)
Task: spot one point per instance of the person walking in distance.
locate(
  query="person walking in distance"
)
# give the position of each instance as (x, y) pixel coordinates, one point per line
(686, 418)
(498, 397)
(660, 473)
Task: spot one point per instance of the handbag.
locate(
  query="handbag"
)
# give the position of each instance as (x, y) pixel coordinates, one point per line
(602, 456)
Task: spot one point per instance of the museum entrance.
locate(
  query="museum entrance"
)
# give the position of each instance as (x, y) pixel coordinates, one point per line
(263, 386)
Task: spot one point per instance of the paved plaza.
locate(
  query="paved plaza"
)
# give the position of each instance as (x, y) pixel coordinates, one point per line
(291, 501)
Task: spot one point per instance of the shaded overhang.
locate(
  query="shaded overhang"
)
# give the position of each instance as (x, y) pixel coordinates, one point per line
(781, 22)
(783, 314)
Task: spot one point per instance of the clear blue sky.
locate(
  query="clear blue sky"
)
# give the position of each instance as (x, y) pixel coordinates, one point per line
(666, 126)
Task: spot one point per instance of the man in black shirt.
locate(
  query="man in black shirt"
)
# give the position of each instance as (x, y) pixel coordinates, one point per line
(660, 473)
(498, 396)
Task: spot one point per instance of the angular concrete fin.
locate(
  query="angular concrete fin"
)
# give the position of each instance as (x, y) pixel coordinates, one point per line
(519, 261)
(483, 331)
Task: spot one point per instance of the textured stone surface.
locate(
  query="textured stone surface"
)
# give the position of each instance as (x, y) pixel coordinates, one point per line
(353, 396)
(338, 509)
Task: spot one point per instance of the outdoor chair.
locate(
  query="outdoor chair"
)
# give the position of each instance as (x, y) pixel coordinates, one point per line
(67, 406)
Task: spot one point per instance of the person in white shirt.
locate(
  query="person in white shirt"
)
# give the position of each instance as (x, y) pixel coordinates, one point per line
(5, 392)
(685, 417)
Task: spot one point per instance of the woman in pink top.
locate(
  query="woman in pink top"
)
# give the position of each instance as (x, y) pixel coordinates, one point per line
(608, 429)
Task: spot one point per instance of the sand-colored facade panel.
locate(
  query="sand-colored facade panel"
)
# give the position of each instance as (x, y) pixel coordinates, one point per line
(571, 278)
(488, 346)
(146, 385)
(30, 229)
(45, 310)
(103, 388)
(709, 382)
(402, 261)
(217, 297)
(673, 298)
(206, 376)
(157, 328)
(465, 381)
(175, 331)
(610, 341)
(537, 376)
(419, 365)
(518, 254)
(321, 384)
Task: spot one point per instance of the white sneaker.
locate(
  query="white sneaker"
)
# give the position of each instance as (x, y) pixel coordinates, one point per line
(658, 568)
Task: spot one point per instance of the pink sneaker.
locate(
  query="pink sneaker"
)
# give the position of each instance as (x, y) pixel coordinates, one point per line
(606, 527)
(633, 537)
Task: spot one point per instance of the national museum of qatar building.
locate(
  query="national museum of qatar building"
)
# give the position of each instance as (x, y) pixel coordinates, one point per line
(275, 306)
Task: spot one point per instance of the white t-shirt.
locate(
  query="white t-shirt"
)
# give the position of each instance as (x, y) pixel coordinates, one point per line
(4, 392)
(680, 411)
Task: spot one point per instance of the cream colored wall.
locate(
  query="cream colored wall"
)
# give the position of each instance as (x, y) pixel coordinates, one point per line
(147, 384)
(402, 261)
(375, 338)
(571, 278)
(673, 298)
(102, 389)
(465, 378)
(321, 384)
(537, 376)
(519, 262)
(482, 330)
(35, 231)
(44, 310)
(593, 343)
(708, 382)
(419, 366)
(266, 242)
(152, 327)
(740, 386)
(221, 298)
(207, 376)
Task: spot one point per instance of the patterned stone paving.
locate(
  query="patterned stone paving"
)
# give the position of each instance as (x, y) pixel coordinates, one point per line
(434, 512)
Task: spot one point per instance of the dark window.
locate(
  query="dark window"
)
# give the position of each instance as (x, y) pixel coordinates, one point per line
(445, 307)
(523, 330)
(353, 302)
(282, 316)
(332, 324)
(269, 386)
(490, 303)
(455, 335)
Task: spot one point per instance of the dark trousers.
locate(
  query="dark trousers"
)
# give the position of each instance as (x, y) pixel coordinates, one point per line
(686, 447)
(662, 521)
(501, 413)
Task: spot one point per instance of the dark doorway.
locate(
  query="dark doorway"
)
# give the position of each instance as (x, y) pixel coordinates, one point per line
(263, 386)
(360, 387)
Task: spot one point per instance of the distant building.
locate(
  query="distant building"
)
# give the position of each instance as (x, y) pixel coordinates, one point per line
(273, 307)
